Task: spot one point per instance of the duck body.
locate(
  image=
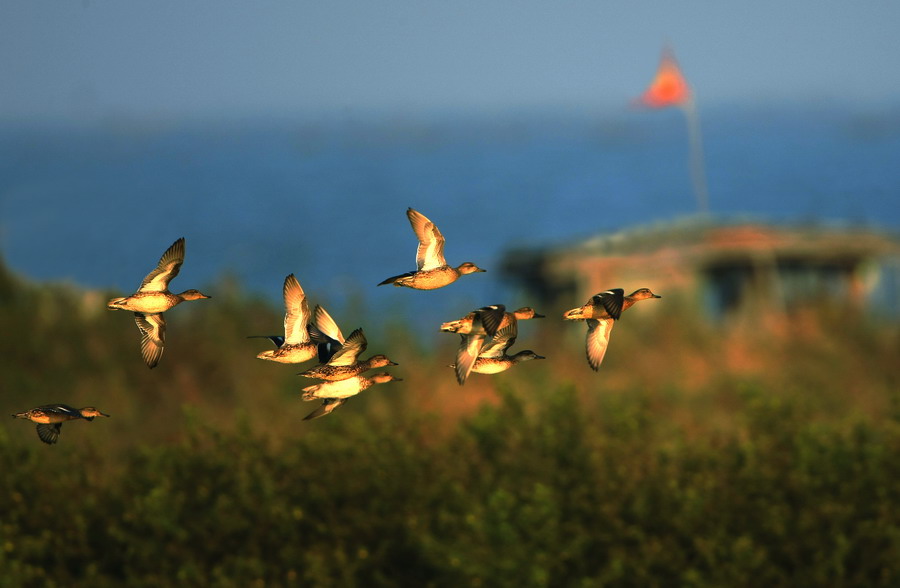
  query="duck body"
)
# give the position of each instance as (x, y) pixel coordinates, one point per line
(50, 417)
(605, 305)
(291, 353)
(492, 318)
(495, 365)
(153, 302)
(335, 373)
(432, 271)
(432, 279)
(334, 394)
(338, 389)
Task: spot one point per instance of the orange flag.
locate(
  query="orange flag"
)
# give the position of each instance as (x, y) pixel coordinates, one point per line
(668, 88)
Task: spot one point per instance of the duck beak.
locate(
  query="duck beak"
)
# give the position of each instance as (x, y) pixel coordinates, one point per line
(657, 296)
(575, 313)
(536, 315)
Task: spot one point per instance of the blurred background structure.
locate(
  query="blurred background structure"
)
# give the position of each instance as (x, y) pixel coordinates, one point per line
(761, 270)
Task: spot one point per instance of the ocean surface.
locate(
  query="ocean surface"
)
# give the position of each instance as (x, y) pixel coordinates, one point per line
(258, 199)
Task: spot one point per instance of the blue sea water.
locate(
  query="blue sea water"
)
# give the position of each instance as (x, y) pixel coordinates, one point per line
(259, 199)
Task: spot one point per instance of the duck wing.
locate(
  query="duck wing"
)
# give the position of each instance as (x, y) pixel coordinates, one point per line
(611, 301)
(326, 334)
(167, 268)
(61, 408)
(353, 346)
(502, 341)
(430, 253)
(492, 317)
(296, 312)
(153, 337)
(598, 340)
(327, 325)
(49, 433)
(469, 348)
(327, 407)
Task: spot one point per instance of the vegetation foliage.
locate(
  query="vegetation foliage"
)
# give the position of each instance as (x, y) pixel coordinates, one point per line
(700, 455)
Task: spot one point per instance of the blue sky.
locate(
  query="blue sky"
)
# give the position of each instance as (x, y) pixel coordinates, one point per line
(95, 59)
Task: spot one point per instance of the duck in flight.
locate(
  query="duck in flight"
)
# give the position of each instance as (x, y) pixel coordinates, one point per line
(601, 312)
(152, 299)
(50, 417)
(432, 271)
(302, 340)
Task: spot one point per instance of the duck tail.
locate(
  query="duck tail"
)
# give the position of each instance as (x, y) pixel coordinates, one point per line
(574, 314)
(394, 279)
(309, 393)
(451, 326)
(116, 304)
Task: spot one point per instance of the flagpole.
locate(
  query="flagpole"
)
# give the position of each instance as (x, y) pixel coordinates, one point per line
(697, 166)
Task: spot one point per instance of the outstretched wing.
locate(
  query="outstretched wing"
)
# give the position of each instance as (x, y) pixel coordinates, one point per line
(296, 312)
(327, 325)
(469, 348)
(430, 253)
(168, 267)
(349, 353)
(153, 336)
(502, 341)
(597, 340)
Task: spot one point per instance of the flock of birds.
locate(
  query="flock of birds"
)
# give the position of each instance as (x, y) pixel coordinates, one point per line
(486, 334)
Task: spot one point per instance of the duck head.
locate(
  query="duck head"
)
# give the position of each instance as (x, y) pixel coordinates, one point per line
(526, 355)
(643, 294)
(193, 295)
(469, 268)
(526, 312)
(89, 412)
